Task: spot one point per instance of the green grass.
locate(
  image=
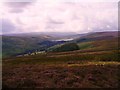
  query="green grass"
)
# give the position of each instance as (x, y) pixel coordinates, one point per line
(95, 63)
(64, 59)
(85, 45)
(111, 44)
(54, 47)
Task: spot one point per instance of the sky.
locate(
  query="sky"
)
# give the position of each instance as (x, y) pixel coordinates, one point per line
(58, 16)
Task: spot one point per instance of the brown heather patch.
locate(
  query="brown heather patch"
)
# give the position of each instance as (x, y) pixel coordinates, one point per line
(77, 71)
(38, 76)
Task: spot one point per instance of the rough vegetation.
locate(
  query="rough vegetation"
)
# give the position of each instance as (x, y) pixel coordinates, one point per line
(66, 47)
(89, 64)
(72, 70)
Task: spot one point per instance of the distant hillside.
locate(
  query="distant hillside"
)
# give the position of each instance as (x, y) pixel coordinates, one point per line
(13, 45)
(30, 42)
(94, 41)
(49, 35)
(98, 36)
(66, 47)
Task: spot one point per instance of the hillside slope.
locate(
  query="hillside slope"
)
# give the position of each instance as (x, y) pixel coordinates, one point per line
(24, 43)
(95, 65)
(12, 45)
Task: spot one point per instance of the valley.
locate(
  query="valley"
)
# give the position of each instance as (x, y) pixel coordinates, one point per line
(88, 61)
(60, 44)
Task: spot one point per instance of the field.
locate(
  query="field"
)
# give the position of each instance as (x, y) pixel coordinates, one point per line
(92, 61)
(94, 69)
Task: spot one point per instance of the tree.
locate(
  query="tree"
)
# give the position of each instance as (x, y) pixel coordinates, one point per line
(67, 47)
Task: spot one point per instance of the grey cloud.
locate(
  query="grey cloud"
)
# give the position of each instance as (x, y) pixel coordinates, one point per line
(70, 3)
(54, 24)
(18, 10)
(17, 7)
(7, 26)
(51, 21)
(17, 4)
(103, 27)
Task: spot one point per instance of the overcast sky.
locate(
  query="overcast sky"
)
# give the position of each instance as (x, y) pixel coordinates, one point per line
(59, 16)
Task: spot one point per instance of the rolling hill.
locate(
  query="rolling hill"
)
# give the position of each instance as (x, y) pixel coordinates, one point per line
(13, 45)
(95, 65)
(94, 41)
(30, 42)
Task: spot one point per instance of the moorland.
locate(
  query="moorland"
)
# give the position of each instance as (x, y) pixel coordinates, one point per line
(89, 60)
